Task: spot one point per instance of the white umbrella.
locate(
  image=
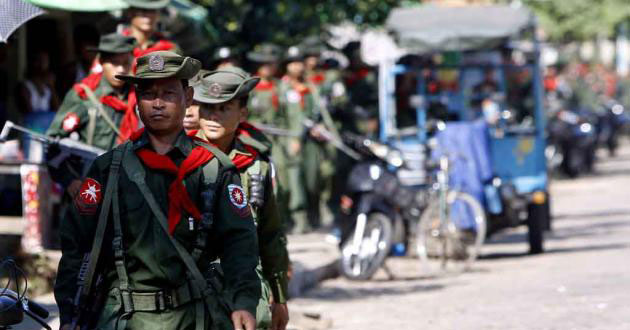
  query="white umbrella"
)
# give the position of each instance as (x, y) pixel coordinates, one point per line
(14, 13)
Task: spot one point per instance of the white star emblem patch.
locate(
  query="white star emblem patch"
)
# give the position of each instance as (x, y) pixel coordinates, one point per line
(89, 197)
(70, 122)
(237, 196)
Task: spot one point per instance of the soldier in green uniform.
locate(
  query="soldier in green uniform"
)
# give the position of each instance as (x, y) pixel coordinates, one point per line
(263, 108)
(143, 18)
(361, 84)
(224, 57)
(223, 96)
(96, 111)
(298, 101)
(169, 205)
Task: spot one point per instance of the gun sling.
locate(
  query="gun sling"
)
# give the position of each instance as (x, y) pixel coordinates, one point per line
(92, 115)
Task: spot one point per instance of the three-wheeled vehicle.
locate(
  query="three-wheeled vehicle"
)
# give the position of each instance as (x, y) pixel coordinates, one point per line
(476, 68)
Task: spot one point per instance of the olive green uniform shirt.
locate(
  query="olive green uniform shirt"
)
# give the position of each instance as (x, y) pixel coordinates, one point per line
(104, 135)
(272, 241)
(151, 261)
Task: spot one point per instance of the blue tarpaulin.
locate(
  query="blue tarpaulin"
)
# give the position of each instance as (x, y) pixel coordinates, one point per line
(467, 146)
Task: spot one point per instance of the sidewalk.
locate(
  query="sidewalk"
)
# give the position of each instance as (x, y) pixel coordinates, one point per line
(314, 260)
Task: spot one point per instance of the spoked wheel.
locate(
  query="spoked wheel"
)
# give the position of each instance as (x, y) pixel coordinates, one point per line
(362, 261)
(452, 244)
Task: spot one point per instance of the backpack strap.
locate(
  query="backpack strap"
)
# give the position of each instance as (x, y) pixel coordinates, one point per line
(259, 146)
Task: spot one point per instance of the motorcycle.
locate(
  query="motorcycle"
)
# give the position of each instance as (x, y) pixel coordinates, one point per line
(13, 305)
(611, 123)
(572, 142)
(376, 208)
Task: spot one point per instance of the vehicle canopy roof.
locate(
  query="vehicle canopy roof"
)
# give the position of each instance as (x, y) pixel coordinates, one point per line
(434, 28)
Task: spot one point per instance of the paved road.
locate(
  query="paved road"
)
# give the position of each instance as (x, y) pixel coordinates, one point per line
(582, 282)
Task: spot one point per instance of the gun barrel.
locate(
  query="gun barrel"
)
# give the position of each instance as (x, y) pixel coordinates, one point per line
(9, 125)
(5, 131)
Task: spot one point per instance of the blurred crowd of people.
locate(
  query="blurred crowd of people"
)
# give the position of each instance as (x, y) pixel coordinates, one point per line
(305, 90)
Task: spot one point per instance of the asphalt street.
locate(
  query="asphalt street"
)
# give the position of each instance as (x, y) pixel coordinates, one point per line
(581, 282)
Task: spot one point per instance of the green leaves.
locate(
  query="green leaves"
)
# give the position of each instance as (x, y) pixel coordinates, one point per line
(242, 23)
(565, 20)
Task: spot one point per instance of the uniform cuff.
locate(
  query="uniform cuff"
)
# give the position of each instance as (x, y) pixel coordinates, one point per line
(279, 287)
(245, 303)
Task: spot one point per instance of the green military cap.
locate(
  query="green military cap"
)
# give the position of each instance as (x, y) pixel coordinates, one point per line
(115, 43)
(148, 4)
(294, 54)
(163, 64)
(197, 78)
(312, 46)
(224, 85)
(265, 53)
(223, 53)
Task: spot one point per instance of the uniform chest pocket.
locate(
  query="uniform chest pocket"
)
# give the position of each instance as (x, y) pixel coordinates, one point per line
(133, 201)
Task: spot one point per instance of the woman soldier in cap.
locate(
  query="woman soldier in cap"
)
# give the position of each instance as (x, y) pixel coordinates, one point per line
(223, 98)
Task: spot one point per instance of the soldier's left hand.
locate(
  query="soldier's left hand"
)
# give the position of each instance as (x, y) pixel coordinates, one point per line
(243, 320)
(279, 316)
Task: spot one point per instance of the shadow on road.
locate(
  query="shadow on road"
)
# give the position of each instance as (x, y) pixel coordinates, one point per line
(340, 293)
(590, 248)
(590, 215)
(593, 229)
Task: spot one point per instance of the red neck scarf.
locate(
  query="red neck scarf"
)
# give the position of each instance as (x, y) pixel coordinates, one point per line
(130, 121)
(268, 86)
(317, 78)
(158, 46)
(241, 161)
(177, 193)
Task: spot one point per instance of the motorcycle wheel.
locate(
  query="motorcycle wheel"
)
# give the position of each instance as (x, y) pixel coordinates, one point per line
(446, 248)
(537, 220)
(573, 162)
(375, 246)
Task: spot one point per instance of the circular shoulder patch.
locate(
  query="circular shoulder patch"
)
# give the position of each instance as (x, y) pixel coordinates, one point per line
(70, 122)
(237, 196)
(89, 197)
(293, 96)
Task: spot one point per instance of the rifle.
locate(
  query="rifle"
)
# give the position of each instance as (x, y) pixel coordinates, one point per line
(308, 125)
(86, 306)
(67, 147)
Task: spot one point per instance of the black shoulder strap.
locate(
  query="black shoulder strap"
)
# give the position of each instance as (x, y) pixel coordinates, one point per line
(103, 217)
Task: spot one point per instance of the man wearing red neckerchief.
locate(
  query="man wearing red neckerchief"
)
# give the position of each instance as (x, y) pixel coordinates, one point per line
(223, 98)
(176, 206)
(79, 116)
(143, 19)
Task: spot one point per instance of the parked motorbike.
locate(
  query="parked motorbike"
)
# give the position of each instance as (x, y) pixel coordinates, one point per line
(572, 142)
(375, 208)
(13, 305)
(611, 122)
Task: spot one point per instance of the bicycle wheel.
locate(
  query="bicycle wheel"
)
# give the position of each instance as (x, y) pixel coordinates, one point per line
(454, 244)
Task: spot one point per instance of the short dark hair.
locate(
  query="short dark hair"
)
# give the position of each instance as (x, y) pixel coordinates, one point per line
(243, 100)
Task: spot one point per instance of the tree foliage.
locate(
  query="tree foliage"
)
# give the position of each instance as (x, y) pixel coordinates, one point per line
(241, 23)
(565, 20)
